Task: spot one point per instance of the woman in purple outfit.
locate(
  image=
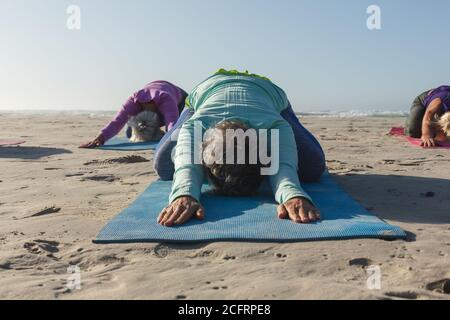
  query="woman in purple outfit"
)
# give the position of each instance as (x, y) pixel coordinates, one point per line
(158, 104)
(429, 118)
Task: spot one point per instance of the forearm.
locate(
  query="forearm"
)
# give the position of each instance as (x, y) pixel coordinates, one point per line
(188, 177)
(129, 109)
(187, 181)
(427, 122)
(285, 182)
(286, 185)
(426, 126)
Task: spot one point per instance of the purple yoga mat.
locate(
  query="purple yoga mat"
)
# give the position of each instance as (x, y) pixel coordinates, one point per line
(400, 132)
(11, 142)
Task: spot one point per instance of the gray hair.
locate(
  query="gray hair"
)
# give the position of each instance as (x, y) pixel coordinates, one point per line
(234, 179)
(444, 123)
(145, 127)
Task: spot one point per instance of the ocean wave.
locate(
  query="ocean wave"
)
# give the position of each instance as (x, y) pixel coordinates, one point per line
(353, 114)
(43, 113)
(110, 113)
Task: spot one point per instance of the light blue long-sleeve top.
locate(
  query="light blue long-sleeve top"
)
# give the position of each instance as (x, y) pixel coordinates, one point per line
(251, 99)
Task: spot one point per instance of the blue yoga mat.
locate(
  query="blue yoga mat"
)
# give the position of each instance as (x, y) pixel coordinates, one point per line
(124, 144)
(247, 219)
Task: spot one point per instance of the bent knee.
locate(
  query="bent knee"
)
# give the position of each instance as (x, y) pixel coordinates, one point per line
(313, 172)
(164, 172)
(414, 130)
(163, 167)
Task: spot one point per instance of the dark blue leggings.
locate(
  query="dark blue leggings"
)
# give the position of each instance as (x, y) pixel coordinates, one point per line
(162, 161)
(311, 158)
(310, 154)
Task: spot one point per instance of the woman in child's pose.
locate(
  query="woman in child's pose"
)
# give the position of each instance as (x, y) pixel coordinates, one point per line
(158, 104)
(230, 100)
(429, 118)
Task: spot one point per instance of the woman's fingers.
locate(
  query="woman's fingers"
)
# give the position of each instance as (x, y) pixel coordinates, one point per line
(282, 212)
(86, 145)
(92, 144)
(161, 215)
(186, 215)
(293, 212)
(197, 211)
(167, 215)
(314, 214)
(181, 211)
(200, 213)
(177, 212)
(304, 215)
(432, 143)
(428, 143)
(299, 210)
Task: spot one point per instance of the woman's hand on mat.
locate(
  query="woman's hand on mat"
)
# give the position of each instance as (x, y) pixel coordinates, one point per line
(97, 142)
(428, 142)
(299, 210)
(180, 211)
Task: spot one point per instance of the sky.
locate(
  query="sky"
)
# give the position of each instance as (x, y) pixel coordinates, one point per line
(319, 51)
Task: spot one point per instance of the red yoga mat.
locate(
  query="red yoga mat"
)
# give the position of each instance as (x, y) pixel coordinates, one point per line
(400, 132)
(11, 142)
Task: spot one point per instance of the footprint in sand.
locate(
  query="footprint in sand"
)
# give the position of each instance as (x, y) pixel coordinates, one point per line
(203, 254)
(43, 212)
(129, 183)
(42, 247)
(218, 286)
(29, 261)
(69, 175)
(121, 160)
(109, 259)
(161, 251)
(409, 295)
(441, 286)
(361, 262)
(102, 178)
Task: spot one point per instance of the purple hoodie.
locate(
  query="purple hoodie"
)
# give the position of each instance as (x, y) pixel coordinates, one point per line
(163, 94)
(443, 93)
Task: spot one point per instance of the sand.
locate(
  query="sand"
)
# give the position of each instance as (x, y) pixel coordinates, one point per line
(56, 197)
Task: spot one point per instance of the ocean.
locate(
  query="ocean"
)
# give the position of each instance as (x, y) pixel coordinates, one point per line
(111, 113)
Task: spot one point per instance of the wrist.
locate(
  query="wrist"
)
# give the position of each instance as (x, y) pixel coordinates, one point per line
(185, 196)
(299, 198)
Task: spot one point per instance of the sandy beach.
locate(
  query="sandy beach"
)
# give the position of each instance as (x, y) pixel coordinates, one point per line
(56, 197)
